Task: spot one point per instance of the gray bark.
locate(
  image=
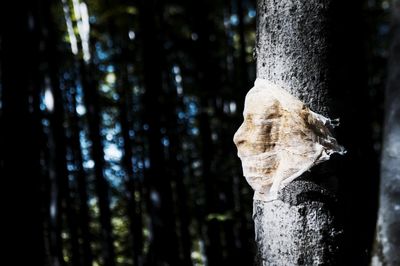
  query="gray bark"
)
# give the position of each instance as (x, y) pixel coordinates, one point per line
(386, 251)
(300, 227)
(293, 47)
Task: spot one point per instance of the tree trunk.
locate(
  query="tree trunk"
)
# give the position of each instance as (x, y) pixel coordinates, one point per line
(22, 230)
(102, 190)
(57, 120)
(386, 250)
(208, 79)
(61, 175)
(243, 67)
(300, 227)
(180, 189)
(131, 183)
(84, 215)
(164, 243)
(56, 203)
(134, 211)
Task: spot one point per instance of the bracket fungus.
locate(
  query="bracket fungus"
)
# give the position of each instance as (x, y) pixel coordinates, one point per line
(280, 139)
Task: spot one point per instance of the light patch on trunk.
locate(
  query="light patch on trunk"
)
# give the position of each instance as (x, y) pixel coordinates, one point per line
(280, 139)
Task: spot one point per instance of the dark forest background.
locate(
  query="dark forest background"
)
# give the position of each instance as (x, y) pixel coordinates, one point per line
(117, 120)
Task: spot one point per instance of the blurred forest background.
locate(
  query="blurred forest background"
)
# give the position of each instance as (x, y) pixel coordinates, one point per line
(117, 118)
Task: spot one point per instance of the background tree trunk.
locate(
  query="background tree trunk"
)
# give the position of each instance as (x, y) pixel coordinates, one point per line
(386, 250)
(21, 208)
(164, 243)
(300, 227)
(131, 183)
(102, 189)
(82, 190)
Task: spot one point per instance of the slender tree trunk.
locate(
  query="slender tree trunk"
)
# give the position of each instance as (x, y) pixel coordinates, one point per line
(244, 70)
(386, 251)
(131, 183)
(57, 118)
(58, 175)
(164, 244)
(55, 208)
(181, 202)
(102, 189)
(300, 227)
(134, 211)
(83, 216)
(180, 189)
(208, 82)
(61, 174)
(239, 77)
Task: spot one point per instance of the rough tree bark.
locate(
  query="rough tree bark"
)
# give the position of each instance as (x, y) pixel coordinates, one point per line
(292, 48)
(386, 250)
